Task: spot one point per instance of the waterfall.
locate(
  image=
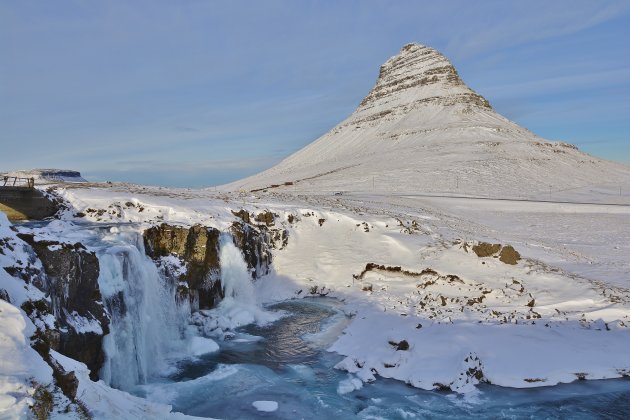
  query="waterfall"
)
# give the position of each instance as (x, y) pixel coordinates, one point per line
(239, 306)
(147, 323)
(149, 326)
(235, 276)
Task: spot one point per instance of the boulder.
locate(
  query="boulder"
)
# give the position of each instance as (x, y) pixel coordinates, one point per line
(509, 255)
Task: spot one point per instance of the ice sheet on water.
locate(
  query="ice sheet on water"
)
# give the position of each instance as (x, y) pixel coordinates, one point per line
(266, 406)
(201, 345)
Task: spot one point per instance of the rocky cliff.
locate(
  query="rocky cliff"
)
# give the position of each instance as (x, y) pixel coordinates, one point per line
(71, 282)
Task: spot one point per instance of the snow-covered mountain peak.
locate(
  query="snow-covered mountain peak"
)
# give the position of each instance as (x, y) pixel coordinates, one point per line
(421, 129)
(419, 76)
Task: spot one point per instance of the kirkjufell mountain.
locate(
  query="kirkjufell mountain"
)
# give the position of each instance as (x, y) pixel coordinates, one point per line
(422, 129)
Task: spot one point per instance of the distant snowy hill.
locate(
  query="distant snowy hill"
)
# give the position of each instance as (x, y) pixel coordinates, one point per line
(421, 129)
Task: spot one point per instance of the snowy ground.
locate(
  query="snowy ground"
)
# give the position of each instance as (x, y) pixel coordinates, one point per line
(567, 299)
(446, 318)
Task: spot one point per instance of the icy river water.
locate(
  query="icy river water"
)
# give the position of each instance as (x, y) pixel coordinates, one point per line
(286, 362)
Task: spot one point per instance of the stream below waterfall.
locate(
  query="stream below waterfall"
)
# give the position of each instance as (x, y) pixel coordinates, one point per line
(286, 362)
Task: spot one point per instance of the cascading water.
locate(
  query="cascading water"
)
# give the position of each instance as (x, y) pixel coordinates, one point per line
(239, 306)
(235, 277)
(147, 322)
(149, 325)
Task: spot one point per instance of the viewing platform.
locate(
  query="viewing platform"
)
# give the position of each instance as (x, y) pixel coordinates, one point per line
(20, 200)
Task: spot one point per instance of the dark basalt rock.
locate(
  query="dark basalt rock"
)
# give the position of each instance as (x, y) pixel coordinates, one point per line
(400, 346)
(255, 245)
(72, 284)
(5, 296)
(67, 381)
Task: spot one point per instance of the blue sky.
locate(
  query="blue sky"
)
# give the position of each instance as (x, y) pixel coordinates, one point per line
(198, 93)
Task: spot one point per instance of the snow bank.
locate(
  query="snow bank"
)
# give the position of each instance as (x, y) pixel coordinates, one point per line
(21, 368)
(107, 403)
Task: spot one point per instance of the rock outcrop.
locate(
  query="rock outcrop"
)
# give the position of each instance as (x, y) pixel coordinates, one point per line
(71, 281)
(198, 249)
(505, 253)
(418, 68)
(255, 245)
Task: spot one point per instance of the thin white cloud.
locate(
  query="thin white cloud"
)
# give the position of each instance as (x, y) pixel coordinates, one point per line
(559, 84)
(513, 23)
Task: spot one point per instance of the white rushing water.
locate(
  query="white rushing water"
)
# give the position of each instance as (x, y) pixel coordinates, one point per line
(235, 277)
(148, 324)
(239, 306)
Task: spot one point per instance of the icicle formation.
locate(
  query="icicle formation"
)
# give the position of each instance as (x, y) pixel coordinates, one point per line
(147, 324)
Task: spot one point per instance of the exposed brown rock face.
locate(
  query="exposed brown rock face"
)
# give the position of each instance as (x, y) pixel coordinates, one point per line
(417, 66)
(484, 249)
(265, 217)
(242, 214)
(509, 255)
(506, 253)
(72, 283)
(198, 248)
(26, 203)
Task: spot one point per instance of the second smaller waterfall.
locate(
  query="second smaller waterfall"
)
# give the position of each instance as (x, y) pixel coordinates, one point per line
(235, 277)
(239, 306)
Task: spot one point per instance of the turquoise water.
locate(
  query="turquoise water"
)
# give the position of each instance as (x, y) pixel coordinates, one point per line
(286, 362)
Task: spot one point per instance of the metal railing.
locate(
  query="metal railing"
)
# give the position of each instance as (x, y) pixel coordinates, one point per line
(14, 181)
